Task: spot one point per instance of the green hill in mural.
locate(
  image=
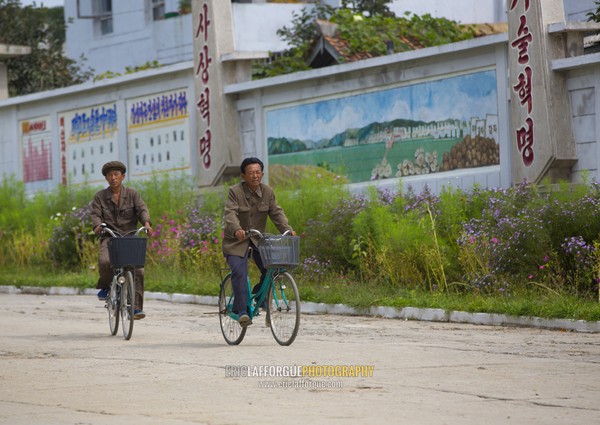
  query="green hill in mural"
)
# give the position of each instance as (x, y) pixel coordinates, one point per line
(278, 145)
(284, 145)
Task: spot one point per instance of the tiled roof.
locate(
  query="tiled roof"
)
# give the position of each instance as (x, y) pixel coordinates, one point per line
(331, 48)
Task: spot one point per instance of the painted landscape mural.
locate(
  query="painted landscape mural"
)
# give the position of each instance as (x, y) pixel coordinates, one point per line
(429, 127)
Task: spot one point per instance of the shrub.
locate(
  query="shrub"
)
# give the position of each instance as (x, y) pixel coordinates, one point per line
(72, 239)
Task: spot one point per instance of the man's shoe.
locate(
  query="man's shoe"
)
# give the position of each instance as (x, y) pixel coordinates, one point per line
(138, 314)
(244, 320)
(103, 294)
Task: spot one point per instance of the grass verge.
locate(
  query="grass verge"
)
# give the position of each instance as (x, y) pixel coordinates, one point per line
(527, 303)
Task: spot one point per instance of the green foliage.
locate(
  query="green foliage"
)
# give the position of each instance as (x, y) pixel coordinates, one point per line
(303, 30)
(128, 70)
(545, 238)
(292, 60)
(594, 16)
(166, 194)
(313, 195)
(369, 28)
(496, 243)
(185, 7)
(430, 31)
(369, 7)
(29, 223)
(71, 244)
(20, 210)
(299, 37)
(43, 30)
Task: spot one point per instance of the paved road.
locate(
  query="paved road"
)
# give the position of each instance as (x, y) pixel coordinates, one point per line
(58, 365)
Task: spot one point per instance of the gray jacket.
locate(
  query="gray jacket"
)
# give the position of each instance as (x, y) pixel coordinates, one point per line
(123, 217)
(249, 210)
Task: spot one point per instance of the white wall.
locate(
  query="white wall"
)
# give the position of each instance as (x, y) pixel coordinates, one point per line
(120, 92)
(575, 10)
(463, 11)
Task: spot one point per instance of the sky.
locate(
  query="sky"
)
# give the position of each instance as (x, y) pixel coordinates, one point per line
(46, 3)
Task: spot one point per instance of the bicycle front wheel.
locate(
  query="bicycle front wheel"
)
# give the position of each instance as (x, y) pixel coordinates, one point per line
(231, 329)
(127, 305)
(283, 309)
(113, 305)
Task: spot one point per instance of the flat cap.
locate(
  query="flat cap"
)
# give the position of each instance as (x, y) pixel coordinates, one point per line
(113, 165)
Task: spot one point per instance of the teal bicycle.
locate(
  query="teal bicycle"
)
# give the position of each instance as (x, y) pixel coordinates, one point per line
(278, 253)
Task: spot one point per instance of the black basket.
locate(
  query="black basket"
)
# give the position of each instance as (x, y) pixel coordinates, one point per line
(127, 251)
(279, 251)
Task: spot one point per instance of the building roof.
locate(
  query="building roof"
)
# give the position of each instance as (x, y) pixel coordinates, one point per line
(331, 49)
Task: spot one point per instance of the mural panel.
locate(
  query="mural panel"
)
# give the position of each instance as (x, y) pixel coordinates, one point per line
(429, 127)
(36, 147)
(158, 134)
(90, 139)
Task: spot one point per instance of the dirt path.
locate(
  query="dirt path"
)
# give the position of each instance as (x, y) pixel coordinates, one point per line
(59, 365)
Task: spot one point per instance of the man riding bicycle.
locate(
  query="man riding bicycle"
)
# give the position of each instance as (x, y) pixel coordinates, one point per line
(120, 208)
(248, 205)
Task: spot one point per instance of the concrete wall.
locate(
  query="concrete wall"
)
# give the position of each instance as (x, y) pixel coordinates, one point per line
(583, 90)
(77, 156)
(256, 99)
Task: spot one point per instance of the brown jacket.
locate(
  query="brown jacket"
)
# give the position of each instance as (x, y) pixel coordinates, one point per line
(249, 210)
(123, 217)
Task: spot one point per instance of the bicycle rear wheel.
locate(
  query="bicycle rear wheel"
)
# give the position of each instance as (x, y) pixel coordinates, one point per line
(113, 305)
(127, 305)
(231, 329)
(283, 308)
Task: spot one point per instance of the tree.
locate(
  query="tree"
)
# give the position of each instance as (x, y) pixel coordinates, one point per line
(367, 29)
(299, 37)
(44, 31)
(594, 16)
(371, 7)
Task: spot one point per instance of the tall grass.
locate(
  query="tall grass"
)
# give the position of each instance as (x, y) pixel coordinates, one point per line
(497, 244)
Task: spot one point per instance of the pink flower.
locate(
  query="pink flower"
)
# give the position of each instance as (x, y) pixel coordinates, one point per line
(494, 240)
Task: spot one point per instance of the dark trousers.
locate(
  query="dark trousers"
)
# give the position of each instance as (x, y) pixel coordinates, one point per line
(239, 278)
(106, 275)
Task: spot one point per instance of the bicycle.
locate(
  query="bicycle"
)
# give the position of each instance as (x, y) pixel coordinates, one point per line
(125, 254)
(279, 290)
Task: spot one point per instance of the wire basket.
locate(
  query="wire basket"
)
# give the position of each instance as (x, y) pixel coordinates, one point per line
(279, 251)
(127, 251)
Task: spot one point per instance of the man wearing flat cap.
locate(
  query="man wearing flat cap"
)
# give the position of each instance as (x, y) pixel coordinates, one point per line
(121, 208)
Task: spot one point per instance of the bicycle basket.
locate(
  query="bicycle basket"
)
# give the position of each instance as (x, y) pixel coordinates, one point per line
(279, 251)
(127, 251)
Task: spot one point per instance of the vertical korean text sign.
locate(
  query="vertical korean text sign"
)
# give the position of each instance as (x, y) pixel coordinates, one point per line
(541, 126)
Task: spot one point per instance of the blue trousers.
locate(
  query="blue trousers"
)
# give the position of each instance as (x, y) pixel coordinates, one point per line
(239, 278)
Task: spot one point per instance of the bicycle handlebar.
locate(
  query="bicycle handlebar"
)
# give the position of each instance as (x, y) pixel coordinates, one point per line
(114, 233)
(255, 233)
(260, 235)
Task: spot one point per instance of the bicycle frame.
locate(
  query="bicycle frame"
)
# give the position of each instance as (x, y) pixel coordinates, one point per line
(256, 300)
(278, 292)
(121, 299)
